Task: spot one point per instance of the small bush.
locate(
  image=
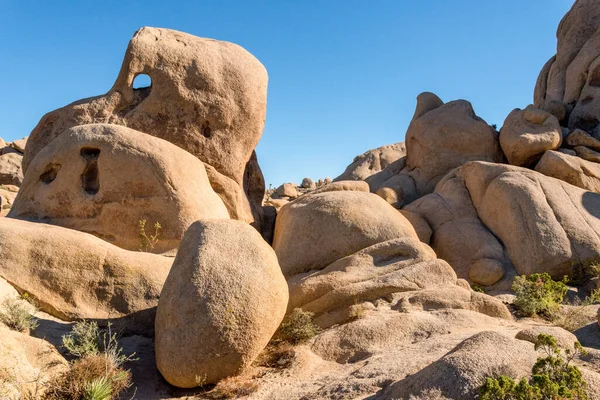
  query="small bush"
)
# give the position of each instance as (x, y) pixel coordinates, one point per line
(299, 327)
(15, 314)
(476, 288)
(552, 377)
(90, 376)
(148, 241)
(83, 340)
(538, 294)
(98, 389)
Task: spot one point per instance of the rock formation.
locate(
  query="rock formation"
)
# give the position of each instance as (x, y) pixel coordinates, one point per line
(207, 97)
(370, 286)
(223, 300)
(103, 179)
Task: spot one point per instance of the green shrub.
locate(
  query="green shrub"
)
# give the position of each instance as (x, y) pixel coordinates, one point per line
(15, 314)
(98, 389)
(83, 340)
(476, 288)
(538, 294)
(553, 377)
(298, 327)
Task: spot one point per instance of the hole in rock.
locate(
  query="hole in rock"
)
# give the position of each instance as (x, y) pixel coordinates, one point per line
(49, 173)
(89, 177)
(142, 81)
(206, 131)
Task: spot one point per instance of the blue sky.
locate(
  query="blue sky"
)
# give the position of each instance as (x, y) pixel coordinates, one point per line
(343, 74)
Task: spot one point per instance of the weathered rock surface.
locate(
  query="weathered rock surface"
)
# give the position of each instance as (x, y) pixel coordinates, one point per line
(103, 179)
(19, 145)
(582, 138)
(460, 373)
(287, 190)
(558, 224)
(372, 161)
(459, 236)
(403, 267)
(527, 134)
(442, 137)
(73, 275)
(223, 300)
(563, 337)
(340, 222)
(207, 97)
(10, 169)
(587, 154)
(26, 364)
(571, 169)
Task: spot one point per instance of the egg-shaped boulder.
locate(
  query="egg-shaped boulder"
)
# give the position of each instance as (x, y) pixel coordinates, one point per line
(318, 229)
(223, 300)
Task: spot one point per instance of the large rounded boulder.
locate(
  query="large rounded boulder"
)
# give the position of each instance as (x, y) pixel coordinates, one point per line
(104, 179)
(318, 229)
(221, 303)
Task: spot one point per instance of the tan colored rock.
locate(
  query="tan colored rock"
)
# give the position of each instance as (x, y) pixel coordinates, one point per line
(581, 138)
(19, 145)
(353, 186)
(73, 275)
(571, 169)
(547, 225)
(277, 203)
(563, 337)
(442, 137)
(207, 97)
(587, 154)
(567, 151)
(320, 228)
(372, 162)
(223, 300)
(453, 297)
(560, 79)
(308, 183)
(459, 236)
(2, 143)
(421, 226)
(486, 271)
(460, 373)
(527, 134)
(287, 190)
(391, 196)
(104, 179)
(26, 364)
(397, 265)
(10, 169)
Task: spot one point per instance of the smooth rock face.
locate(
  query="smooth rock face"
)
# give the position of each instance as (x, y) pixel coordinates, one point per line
(582, 138)
(10, 169)
(372, 161)
(26, 364)
(459, 236)
(397, 265)
(207, 97)
(571, 169)
(442, 137)
(223, 300)
(73, 275)
(570, 77)
(547, 225)
(320, 228)
(461, 372)
(103, 179)
(287, 190)
(527, 134)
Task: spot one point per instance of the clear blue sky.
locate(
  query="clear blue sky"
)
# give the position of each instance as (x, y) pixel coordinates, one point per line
(343, 74)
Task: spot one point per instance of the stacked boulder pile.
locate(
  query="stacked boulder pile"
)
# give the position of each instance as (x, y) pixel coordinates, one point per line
(382, 259)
